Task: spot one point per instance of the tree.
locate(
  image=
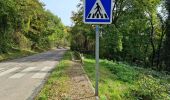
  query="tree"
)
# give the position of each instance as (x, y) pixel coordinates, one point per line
(25, 24)
(166, 57)
(135, 35)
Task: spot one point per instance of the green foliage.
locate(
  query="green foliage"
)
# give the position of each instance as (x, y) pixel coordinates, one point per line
(121, 81)
(25, 24)
(15, 53)
(167, 43)
(150, 88)
(125, 72)
(136, 34)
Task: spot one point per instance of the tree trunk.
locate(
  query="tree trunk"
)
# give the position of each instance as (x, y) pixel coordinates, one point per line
(152, 41)
(159, 49)
(166, 56)
(86, 44)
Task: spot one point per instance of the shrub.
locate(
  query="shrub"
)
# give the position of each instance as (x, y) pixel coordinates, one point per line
(150, 88)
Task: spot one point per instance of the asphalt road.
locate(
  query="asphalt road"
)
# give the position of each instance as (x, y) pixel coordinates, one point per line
(21, 79)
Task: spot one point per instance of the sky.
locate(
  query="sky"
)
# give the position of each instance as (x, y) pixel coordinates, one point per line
(62, 8)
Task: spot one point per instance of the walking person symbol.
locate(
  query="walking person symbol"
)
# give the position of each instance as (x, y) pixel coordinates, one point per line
(98, 11)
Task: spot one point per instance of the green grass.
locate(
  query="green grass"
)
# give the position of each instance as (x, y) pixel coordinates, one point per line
(57, 84)
(16, 54)
(120, 81)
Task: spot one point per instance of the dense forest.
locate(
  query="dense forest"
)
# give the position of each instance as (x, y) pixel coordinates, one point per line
(27, 25)
(139, 33)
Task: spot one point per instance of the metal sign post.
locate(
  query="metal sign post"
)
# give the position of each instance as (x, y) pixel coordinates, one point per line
(97, 12)
(97, 60)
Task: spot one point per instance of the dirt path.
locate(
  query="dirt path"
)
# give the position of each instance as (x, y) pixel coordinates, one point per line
(81, 88)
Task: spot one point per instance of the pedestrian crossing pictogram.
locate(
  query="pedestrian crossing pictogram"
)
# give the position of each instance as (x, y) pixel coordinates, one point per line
(98, 11)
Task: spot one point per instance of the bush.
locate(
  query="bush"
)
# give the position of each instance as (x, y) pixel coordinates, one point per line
(150, 88)
(124, 72)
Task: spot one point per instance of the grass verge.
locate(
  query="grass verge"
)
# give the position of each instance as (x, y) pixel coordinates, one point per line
(57, 85)
(120, 81)
(16, 54)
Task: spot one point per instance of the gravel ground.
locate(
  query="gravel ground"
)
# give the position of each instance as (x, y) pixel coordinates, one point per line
(80, 89)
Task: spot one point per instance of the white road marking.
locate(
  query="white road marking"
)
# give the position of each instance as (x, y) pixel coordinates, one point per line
(42, 73)
(9, 71)
(22, 73)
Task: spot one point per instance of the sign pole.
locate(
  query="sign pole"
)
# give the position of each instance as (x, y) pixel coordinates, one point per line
(97, 61)
(97, 12)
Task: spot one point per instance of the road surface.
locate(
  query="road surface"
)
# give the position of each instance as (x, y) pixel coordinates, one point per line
(21, 79)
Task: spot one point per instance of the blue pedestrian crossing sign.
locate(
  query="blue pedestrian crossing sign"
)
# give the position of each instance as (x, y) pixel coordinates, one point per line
(98, 11)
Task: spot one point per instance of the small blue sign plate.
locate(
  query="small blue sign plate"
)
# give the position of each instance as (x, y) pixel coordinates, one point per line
(98, 11)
